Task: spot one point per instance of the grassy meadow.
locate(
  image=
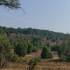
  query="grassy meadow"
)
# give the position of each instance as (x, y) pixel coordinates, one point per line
(45, 64)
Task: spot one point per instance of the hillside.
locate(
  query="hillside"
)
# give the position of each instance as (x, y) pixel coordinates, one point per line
(26, 44)
(36, 36)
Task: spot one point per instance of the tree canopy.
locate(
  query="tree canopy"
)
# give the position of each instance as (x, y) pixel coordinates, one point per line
(63, 50)
(21, 49)
(12, 4)
(4, 49)
(46, 53)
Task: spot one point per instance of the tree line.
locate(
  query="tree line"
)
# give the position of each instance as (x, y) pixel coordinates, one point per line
(49, 34)
(24, 46)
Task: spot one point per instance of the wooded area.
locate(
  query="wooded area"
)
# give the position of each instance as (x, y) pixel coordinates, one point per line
(25, 41)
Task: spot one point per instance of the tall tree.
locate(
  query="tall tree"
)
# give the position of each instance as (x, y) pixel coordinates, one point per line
(46, 53)
(4, 49)
(64, 51)
(30, 48)
(21, 49)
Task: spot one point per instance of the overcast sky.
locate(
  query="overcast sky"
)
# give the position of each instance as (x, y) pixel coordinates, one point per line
(53, 15)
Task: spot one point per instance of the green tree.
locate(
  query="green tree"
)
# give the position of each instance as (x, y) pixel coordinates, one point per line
(30, 48)
(54, 48)
(48, 45)
(46, 53)
(35, 49)
(4, 49)
(33, 62)
(12, 57)
(13, 4)
(21, 49)
(62, 58)
(1, 30)
(59, 50)
(68, 51)
(64, 51)
(37, 41)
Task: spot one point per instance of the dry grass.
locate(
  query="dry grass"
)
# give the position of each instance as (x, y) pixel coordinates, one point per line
(16, 66)
(32, 55)
(50, 65)
(45, 64)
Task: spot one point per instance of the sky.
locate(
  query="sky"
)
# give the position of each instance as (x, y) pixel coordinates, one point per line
(53, 15)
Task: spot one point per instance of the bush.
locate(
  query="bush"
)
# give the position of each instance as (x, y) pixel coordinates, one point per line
(30, 48)
(33, 63)
(68, 59)
(25, 60)
(21, 48)
(62, 58)
(9, 56)
(35, 49)
(13, 57)
(46, 53)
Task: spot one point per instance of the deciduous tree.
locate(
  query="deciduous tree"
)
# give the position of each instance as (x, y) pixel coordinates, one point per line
(4, 49)
(13, 4)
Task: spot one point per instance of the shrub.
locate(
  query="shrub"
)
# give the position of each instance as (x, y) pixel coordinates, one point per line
(30, 48)
(13, 57)
(68, 59)
(46, 53)
(62, 58)
(35, 49)
(21, 49)
(33, 63)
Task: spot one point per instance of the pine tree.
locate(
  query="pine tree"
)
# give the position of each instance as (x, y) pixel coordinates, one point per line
(46, 53)
(21, 49)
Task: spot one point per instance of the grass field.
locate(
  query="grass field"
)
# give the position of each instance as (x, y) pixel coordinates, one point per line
(45, 64)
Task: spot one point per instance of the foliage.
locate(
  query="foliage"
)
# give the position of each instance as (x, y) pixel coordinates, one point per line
(25, 60)
(59, 50)
(62, 58)
(37, 41)
(35, 49)
(54, 48)
(4, 49)
(21, 49)
(13, 57)
(64, 51)
(46, 53)
(33, 62)
(12, 4)
(49, 34)
(30, 48)
(68, 58)
(53, 39)
(48, 45)
(36, 37)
